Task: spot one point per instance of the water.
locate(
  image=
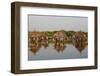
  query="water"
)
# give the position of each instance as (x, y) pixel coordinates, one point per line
(68, 51)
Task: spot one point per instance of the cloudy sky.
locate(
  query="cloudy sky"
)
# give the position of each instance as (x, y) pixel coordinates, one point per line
(51, 23)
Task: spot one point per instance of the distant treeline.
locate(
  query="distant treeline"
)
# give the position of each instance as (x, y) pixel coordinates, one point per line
(68, 33)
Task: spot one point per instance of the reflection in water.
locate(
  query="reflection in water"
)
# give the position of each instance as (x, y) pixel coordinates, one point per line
(80, 46)
(59, 47)
(44, 44)
(35, 47)
(58, 39)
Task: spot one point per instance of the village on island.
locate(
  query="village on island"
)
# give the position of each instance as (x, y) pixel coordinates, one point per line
(59, 39)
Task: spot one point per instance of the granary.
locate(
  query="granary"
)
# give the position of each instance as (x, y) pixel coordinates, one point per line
(60, 36)
(79, 40)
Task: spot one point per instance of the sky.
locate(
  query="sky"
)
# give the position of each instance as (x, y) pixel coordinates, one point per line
(56, 23)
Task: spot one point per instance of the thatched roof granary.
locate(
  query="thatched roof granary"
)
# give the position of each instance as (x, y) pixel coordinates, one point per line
(60, 36)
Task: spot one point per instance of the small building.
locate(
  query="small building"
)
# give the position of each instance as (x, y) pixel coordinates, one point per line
(34, 37)
(79, 37)
(43, 37)
(79, 40)
(60, 36)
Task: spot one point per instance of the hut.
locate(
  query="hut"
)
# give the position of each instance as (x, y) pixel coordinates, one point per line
(34, 37)
(79, 40)
(43, 36)
(59, 36)
(79, 37)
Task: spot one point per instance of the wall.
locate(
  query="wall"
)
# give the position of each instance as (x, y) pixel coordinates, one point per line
(5, 33)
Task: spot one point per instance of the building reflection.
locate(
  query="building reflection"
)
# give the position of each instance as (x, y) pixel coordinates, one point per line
(34, 47)
(44, 44)
(59, 47)
(80, 47)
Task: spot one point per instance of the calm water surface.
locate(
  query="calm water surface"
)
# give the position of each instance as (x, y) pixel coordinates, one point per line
(50, 53)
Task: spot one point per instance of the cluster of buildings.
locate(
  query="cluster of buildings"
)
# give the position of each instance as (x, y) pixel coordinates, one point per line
(38, 39)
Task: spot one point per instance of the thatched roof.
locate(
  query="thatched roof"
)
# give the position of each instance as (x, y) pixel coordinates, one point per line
(59, 34)
(79, 36)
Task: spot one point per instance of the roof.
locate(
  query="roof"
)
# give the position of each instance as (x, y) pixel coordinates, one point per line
(60, 34)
